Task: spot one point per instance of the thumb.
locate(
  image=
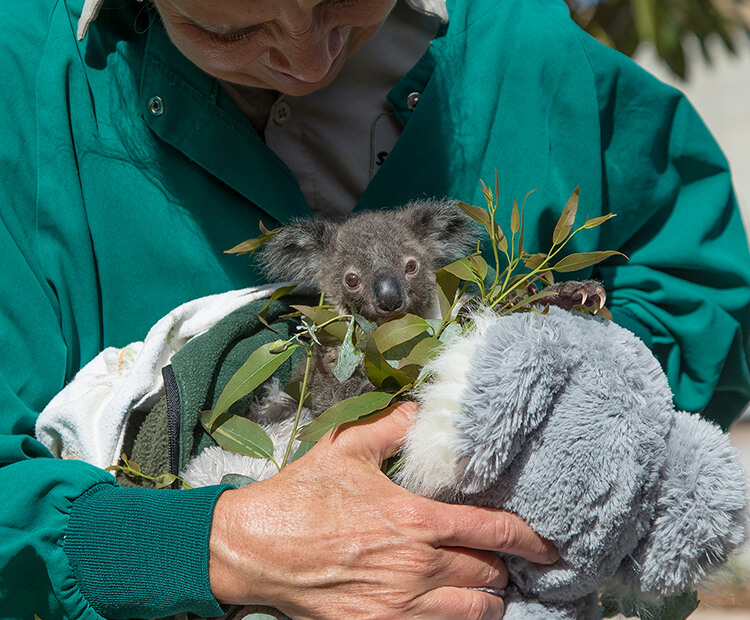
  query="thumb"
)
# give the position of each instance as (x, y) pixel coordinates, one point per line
(376, 438)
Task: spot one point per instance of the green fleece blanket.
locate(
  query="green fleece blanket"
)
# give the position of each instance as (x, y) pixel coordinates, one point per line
(163, 438)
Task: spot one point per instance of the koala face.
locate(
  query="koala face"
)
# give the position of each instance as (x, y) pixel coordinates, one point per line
(378, 263)
(377, 266)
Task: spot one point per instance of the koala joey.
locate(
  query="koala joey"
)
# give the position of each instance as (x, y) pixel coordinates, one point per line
(379, 264)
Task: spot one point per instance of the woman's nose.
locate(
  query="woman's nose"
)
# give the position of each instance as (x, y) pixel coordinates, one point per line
(308, 55)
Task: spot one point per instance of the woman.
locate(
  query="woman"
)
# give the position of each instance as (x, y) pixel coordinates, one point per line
(135, 156)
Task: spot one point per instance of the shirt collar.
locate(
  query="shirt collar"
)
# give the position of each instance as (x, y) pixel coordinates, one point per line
(437, 8)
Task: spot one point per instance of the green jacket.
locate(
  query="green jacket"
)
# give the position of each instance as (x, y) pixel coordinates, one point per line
(112, 215)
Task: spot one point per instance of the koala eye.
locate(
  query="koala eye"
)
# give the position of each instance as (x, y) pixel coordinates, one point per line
(412, 266)
(352, 280)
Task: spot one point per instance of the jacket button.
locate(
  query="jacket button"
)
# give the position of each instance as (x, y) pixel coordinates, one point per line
(281, 112)
(412, 100)
(156, 106)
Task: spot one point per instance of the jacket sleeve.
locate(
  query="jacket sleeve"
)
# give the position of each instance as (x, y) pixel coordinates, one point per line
(686, 286)
(72, 543)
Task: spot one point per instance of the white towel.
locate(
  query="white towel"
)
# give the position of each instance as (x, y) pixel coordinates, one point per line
(87, 419)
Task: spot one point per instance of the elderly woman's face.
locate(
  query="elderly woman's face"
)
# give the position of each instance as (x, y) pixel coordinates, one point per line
(293, 46)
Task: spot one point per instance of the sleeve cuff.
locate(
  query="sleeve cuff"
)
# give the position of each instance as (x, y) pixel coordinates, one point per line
(143, 553)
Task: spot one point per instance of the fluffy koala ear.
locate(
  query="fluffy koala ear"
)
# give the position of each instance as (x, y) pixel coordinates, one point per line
(442, 224)
(296, 252)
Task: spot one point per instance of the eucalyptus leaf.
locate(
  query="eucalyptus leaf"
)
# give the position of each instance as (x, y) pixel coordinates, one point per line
(294, 389)
(277, 294)
(349, 357)
(483, 217)
(574, 262)
(568, 216)
(447, 288)
(368, 327)
(261, 364)
(425, 350)
(236, 480)
(348, 410)
(380, 373)
(164, 480)
(319, 315)
(450, 333)
(303, 448)
(598, 221)
(251, 245)
(472, 268)
(515, 218)
(238, 434)
(535, 261)
(398, 331)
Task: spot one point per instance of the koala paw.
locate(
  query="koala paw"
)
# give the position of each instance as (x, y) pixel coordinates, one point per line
(567, 295)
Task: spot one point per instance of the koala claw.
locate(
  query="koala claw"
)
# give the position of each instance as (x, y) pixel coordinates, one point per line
(568, 295)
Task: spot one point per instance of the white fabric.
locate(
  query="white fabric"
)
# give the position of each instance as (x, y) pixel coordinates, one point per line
(87, 419)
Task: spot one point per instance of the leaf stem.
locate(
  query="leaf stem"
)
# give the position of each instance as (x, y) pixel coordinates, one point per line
(303, 392)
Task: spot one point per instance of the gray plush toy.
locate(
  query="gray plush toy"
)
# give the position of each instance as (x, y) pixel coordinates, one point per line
(567, 420)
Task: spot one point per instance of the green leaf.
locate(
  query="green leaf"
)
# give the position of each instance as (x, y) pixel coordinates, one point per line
(303, 448)
(258, 367)
(319, 315)
(349, 357)
(483, 217)
(424, 351)
(236, 480)
(238, 434)
(251, 245)
(368, 327)
(447, 287)
(164, 480)
(472, 268)
(646, 18)
(294, 389)
(568, 216)
(535, 261)
(396, 332)
(278, 293)
(598, 221)
(380, 373)
(574, 262)
(515, 218)
(450, 333)
(348, 410)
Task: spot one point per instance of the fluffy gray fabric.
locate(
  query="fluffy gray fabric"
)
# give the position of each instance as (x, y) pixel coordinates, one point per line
(567, 421)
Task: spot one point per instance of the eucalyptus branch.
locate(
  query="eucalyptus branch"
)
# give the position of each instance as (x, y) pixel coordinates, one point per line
(303, 394)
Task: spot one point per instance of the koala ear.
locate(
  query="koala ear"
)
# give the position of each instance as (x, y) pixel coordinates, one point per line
(296, 252)
(442, 224)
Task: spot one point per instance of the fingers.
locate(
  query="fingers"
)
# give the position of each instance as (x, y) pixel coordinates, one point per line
(462, 604)
(495, 530)
(469, 568)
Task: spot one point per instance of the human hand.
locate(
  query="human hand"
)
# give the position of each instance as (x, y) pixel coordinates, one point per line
(331, 537)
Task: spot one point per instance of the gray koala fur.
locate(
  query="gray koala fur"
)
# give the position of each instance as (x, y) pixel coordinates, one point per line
(377, 248)
(568, 421)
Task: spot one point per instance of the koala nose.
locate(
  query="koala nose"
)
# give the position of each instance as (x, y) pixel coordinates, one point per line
(388, 293)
